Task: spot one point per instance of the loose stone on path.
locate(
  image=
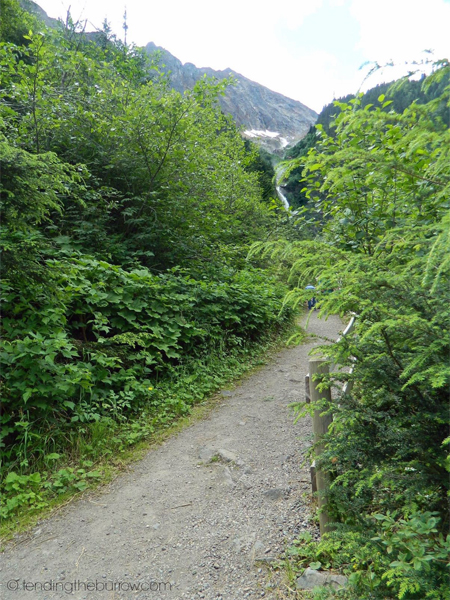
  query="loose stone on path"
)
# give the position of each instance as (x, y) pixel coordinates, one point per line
(199, 517)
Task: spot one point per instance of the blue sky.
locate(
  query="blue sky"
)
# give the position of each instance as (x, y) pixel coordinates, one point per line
(309, 50)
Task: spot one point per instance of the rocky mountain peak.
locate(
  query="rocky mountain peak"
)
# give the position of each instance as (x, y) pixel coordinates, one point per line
(272, 120)
(269, 118)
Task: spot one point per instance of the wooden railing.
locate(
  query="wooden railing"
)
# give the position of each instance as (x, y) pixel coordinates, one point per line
(319, 480)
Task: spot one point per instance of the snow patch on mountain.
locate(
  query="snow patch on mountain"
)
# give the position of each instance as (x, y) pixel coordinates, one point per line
(258, 133)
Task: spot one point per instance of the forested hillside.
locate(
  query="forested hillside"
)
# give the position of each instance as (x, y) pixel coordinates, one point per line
(400, 94)
(127, 213)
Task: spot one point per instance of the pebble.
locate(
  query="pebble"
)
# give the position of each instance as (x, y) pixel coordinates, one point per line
(274, 494)
(212, 527)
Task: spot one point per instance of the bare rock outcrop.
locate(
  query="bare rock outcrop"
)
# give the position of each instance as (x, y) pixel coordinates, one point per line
(267, 117)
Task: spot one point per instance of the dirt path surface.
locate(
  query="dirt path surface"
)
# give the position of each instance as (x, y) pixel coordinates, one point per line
(198, 517)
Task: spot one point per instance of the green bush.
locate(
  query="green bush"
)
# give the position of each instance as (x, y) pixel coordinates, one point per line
(93, 340)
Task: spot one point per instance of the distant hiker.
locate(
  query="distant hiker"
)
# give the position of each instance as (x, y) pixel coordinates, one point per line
(312, 301)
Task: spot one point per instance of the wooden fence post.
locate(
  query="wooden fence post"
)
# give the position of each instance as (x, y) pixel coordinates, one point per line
(312, 472)
(320, 427)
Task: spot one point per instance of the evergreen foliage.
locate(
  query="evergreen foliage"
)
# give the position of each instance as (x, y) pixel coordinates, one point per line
(262, 164)
(379, 188)
(400, 94)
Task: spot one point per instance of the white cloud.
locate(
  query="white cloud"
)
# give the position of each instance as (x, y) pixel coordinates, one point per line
(319, 78)
(292, 13)
(243, 35)
(402, 29)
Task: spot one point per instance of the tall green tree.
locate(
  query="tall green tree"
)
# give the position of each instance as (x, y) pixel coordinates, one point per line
(160, 163)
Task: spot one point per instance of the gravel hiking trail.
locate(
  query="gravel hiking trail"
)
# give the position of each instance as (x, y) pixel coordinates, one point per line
(201, 516)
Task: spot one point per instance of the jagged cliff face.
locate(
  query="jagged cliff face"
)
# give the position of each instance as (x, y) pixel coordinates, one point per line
(39, 12)
(269, 118)
(272, 120)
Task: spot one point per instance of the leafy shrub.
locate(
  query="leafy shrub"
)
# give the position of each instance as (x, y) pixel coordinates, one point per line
(28, 490)
(385, 557)
(93, 340)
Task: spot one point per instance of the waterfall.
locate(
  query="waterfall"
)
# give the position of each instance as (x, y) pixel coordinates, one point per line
(282, 197)
(279, 172)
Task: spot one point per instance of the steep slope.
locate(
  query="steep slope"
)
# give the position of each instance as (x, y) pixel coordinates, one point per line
(269, 118)
(39, 12)
(272, 119)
